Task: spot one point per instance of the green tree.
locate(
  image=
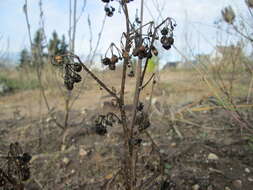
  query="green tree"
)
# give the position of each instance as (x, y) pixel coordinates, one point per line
(57, 46)
(63, 46)
(54, 44)
(38, 48)
(25, 59)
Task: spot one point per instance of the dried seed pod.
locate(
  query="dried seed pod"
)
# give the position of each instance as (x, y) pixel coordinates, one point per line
(249, 3)
(106, 61)
(154, 50)
(228, 15)
(77, 67)
(165, 31)
(114, 59)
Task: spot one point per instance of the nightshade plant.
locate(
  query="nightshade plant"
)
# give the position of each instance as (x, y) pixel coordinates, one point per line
(138, 41)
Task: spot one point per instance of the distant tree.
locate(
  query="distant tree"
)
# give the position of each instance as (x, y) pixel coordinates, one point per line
(57, 46)
(63, 46)
(54, 44)
(25, 59)
(38, 48)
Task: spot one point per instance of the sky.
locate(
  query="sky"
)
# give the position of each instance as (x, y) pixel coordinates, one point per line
(195, 32)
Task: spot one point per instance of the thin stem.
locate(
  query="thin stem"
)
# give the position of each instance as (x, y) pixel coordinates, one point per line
(101, 83)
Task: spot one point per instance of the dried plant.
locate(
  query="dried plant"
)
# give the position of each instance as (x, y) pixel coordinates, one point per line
(137, 41)
(15, 169)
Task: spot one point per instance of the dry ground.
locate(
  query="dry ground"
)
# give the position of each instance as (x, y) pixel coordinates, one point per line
(204, 150)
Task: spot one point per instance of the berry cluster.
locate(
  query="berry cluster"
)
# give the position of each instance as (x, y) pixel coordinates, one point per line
(104, 121)
(167, 39)
(71, 75)
(109, 10)
(111, 62)
(71, 70)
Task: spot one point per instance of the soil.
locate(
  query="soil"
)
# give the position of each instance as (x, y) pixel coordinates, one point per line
(204, 150)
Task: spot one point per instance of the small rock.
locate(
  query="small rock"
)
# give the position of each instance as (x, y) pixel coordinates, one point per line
(173, 144)
(63, 147)
(196, 187)
(84, 111)
(162, 151)
(210, 187)
(49, 119)
(247, 170)
(73, 171)
(237, 184)
(227, 188)
(250, 179)
(66, 161)
(4, 88)
(82, 152)
(212, 156)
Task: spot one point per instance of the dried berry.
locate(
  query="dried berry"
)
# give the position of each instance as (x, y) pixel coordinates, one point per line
(170, 40)
(76, 78)
(249, 3)
(167, 42)
(228, 15)
(140, 106)
(165, 31)
(106, 61)
(154, 50)
(135, 52)
(167, 47)
(112, 67)
(114, 59)
(164, 40)
(77, 67)
(142, 48)
(100, 129)
(131, 74)
(69, 84)
(109, 11)
(26, 157)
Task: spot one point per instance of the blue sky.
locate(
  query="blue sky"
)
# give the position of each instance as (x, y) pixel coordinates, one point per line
(195, 20)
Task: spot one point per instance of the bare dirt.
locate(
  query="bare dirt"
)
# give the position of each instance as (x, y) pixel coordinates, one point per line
(203, 150)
